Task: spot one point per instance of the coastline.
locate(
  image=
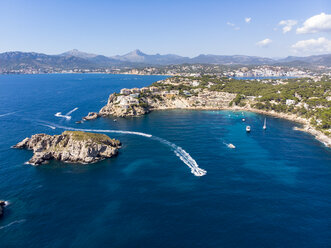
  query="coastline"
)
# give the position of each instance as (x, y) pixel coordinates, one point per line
(318, 135)
(178, 94)
(307, 128)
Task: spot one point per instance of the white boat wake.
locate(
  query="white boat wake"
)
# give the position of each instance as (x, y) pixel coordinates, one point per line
(12, 223)
(71, 111)
(59, 114)
(52, 127)
(180, 152)
(7, 114)
(67, 115)
(184, 156)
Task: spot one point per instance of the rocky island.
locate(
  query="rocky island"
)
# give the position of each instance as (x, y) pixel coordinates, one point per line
(2, 207)
(303, 100)
(70, 147)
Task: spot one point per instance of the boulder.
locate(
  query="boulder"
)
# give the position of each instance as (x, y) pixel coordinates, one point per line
(91, 116)
(2, 207)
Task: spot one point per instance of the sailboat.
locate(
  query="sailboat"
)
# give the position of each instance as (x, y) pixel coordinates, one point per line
(265, 124)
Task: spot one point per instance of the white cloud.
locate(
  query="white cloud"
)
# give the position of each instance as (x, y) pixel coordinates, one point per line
(264, 43)
(233, 25)
(248, 19)
(315, 24)
(230, 24)
(320, 45)
(287, 25)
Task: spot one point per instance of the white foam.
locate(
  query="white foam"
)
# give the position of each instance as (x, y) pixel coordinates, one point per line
(52, 127)
(59, 114)
(180, 152)
(184, 156)
(67, 115)
(71, 111)
(12, 223)
(7, 114)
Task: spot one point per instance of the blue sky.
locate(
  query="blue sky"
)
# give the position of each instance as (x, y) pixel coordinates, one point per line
(187, 28)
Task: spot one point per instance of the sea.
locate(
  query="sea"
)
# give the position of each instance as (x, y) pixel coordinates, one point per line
(272, 190)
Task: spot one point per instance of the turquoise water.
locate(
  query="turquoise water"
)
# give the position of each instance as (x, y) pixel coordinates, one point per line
(273, 190)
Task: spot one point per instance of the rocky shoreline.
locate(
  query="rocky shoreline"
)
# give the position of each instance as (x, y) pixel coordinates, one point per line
(2, 207)
(321, 137)
(70, 147)
(138, 102)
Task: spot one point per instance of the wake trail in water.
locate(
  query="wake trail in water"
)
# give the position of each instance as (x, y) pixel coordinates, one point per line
(7, 114)
(59, 114)
(71, 111)
(67, 115)
(184, 156)
(52, 127)
(12, 223)
(180, 152)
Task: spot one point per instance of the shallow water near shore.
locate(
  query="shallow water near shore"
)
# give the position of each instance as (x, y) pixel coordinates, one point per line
(272, 190)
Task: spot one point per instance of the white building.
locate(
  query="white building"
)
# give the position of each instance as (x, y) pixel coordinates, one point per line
(290, 102)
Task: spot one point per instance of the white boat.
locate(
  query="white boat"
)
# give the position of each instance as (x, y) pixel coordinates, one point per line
(248, 129)
(265, 124)
(243, 119)
(231, 146)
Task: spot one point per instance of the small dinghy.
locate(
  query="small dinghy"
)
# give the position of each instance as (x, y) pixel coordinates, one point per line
(232, 146)
(248, 129)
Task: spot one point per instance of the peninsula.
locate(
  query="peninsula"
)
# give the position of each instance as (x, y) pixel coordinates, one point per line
(70, 147)
(304, 100)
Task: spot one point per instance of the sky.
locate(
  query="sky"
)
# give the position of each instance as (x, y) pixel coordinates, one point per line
(188, 28)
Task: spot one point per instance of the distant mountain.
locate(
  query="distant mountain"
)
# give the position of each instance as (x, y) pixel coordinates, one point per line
(97, 60)
(234, 59)
(79, 54)
(138, 56)
(75, 59)
(19, 60)
(324, 59)
(134, 56)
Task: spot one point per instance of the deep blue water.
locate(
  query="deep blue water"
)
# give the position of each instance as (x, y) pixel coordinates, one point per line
(273, 190)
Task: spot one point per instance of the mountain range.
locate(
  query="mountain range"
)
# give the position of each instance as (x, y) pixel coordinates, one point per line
(77, 59)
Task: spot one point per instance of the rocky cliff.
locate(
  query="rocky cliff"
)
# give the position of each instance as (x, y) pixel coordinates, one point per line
(136, 102)
(70, 147)
(289, 99)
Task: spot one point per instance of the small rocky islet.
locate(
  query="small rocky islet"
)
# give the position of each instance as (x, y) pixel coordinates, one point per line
(2, 207)
(70, 147)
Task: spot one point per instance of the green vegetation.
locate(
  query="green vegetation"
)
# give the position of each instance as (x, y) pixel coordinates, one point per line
(94, 137)
(310, 99)
(237, 99)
